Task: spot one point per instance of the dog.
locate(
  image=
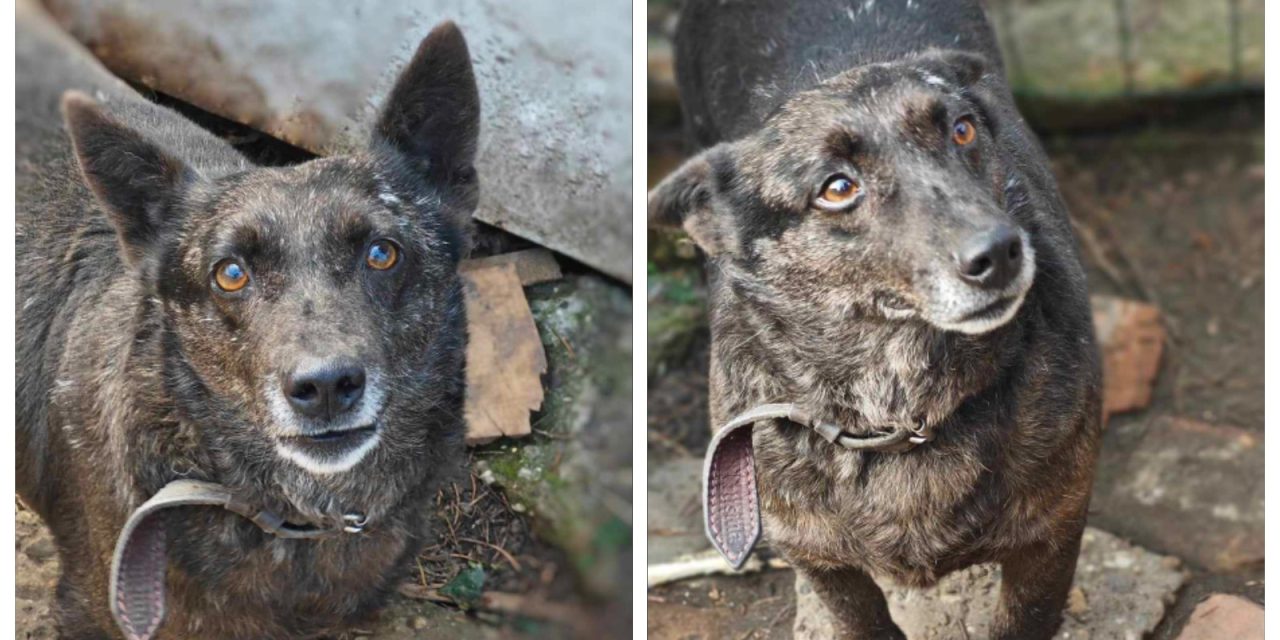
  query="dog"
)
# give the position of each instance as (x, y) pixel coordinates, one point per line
(294, 336)
(888, 255)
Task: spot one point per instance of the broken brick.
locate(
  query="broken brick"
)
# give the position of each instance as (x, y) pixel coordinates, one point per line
(1131, 339)
(1224, 617)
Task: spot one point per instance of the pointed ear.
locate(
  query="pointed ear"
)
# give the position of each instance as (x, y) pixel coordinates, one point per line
(432, 116)
(686, 200)
(134, 179)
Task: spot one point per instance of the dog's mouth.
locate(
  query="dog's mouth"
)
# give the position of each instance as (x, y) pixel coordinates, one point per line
(332, 450)
(333, 437)
(991, 311)
(989, 316)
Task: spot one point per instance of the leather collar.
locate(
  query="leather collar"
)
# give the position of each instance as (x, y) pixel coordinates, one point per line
(730, 496)
(138, 567)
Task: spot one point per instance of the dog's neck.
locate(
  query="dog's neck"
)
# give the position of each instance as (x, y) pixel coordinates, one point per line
(863, 373)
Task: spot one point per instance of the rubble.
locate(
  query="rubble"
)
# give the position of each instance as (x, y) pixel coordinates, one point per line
(1121, 592)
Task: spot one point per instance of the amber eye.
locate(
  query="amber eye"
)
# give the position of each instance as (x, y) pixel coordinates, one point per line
(382, 255)
(838, 192)
(230, 276)
(964, 131)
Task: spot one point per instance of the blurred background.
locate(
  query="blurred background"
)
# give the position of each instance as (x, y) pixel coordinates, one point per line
(1151, 113)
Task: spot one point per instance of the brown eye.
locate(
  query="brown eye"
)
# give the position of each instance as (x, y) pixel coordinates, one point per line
(382, 255)
(964, 131)
(838, 192)
(230, 276)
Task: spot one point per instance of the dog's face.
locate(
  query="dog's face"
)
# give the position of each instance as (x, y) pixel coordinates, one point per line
(880, 194)
(313, 314)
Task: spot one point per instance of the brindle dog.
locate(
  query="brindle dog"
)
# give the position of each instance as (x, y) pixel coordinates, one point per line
(296, 334)
(887, 248)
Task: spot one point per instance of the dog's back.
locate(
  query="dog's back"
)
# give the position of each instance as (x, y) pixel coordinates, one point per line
(737, 62)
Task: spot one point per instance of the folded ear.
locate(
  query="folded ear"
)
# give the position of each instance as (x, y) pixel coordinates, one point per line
(136, 180)
(687, 199)
(961, 68)
(432, 115)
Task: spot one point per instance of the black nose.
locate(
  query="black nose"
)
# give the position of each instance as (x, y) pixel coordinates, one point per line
(992, 259)
(326, 391)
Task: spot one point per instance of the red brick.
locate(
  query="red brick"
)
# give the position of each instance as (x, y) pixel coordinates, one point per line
(1224, 617)
(1132, 340)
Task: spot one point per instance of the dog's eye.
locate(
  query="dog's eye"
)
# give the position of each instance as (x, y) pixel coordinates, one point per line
(230, 276)
(382, 255)
(964, 131)
(838, 192)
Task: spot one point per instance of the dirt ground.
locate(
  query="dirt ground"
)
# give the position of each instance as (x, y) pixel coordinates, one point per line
(1169, 212)
(476, 527)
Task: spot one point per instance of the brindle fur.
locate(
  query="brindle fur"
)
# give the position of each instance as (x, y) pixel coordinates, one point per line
(133, 373)
(841, 312)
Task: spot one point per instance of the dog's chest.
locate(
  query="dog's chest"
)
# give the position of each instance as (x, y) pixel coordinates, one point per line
(223, 582)
(913, 516)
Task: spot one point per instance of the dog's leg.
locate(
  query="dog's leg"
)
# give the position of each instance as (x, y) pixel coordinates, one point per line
(1034, 589)
(72, 612)
(855, 602)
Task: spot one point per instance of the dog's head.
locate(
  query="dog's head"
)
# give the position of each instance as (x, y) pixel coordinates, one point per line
(883, 193)
(313, 317)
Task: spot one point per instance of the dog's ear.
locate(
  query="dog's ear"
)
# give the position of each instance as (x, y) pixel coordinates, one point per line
(432, 115)
(687, 199)
(961, 68)
(136, 180)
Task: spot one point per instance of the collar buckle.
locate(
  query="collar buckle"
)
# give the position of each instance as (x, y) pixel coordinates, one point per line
(921, 433)
(354, 522)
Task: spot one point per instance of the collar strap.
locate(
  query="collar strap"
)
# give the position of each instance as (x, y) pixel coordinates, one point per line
(137, 585)
(730, 496)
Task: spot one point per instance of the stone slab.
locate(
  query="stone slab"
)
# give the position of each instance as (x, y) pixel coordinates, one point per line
(1185, 487)
(555, 153)
(675, 512)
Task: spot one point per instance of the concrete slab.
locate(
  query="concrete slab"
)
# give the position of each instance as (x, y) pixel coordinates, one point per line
(555, 155)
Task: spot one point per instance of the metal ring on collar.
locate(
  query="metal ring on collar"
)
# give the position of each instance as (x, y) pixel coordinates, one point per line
(354, 522)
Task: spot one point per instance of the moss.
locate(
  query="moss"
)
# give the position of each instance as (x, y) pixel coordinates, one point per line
(564, 473)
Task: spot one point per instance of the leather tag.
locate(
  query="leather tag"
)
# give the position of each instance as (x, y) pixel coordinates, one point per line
(730, 498)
